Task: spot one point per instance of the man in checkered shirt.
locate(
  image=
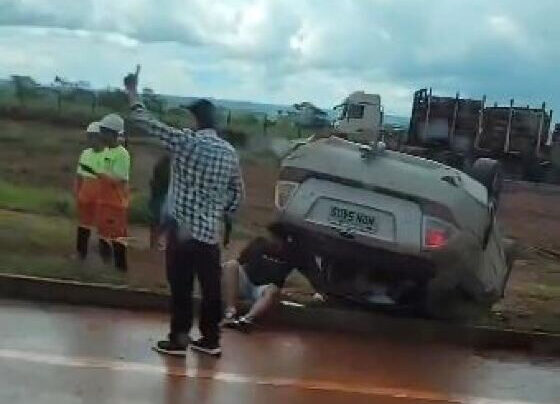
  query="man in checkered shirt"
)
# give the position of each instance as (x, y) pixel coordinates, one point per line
(206, 186)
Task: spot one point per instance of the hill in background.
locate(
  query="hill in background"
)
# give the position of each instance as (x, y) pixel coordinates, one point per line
(268, 109)
(248, 106)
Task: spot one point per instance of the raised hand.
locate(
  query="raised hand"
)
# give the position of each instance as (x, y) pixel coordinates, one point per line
(131, 81)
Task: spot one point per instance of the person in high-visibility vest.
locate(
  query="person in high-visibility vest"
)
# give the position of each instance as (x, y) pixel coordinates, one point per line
(112, 212)
(87, 188)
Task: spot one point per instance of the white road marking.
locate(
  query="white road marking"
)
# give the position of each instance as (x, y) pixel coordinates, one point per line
(306, 384)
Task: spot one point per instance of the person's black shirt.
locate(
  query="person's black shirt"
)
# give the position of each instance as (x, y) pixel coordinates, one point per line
(265, 263)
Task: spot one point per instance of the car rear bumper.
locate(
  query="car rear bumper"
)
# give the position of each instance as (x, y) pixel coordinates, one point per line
(407, 266)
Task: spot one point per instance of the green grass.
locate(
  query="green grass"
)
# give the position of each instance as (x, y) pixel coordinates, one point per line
(51, 201)
(29, 232)
(139, 212)
(37, 207)
(541, 291)
(59, 267)
(47, 201)
(79, 112)
(41, 246)
(240, 232)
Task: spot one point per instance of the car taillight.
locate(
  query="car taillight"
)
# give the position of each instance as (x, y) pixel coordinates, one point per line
(284, 191)
(436, 233)
(435, 238)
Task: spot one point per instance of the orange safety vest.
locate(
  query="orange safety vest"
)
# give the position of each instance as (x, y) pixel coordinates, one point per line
(86, 199)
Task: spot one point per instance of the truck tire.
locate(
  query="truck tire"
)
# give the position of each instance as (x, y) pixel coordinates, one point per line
(490, 174)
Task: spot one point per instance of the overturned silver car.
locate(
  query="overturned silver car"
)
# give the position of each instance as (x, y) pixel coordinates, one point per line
(391, 228)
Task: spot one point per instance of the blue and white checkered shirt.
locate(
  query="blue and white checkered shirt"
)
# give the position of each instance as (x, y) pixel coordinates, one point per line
(206, 181)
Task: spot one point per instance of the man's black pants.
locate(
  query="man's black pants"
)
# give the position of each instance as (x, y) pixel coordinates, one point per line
(184, 259)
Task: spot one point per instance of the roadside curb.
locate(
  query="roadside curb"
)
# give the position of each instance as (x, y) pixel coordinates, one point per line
(414, 330)
(343, 320)
(78, 293)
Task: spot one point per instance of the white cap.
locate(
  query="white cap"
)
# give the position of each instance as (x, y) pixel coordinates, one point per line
(93, 127)
(112, 122)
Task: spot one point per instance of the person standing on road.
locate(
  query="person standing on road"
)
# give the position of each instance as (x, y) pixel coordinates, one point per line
(207, 185)
(113, 193)
(87, 188)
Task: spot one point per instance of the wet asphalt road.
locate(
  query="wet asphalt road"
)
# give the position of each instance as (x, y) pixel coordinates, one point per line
(62, 354)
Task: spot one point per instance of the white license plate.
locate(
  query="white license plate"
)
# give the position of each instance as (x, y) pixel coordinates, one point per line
(352, 219)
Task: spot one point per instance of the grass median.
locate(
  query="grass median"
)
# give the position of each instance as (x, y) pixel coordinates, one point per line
(58, 202)
(38, 245)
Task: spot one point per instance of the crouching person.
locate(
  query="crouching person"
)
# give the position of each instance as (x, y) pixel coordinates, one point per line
(258, 276)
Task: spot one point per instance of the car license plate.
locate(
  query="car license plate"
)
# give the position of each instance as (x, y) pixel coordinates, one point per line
(353, 219)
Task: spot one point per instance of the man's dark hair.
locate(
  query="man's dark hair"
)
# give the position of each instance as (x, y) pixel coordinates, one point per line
(205, 114)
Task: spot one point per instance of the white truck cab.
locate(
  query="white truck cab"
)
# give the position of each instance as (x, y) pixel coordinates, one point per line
(361, 117)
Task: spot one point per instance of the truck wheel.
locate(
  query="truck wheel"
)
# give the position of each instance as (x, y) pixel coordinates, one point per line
(490, 174)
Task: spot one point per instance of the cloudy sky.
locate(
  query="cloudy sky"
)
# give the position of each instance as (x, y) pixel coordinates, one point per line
(282, 51)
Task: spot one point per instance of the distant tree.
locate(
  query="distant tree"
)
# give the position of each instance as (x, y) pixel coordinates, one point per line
(153, 101)
(307, 106)
(73, 92)
(310, 116)
(113, 98)
(25, 88)
(247, 119)
(228, 118)
(267, 123)
(67, 84)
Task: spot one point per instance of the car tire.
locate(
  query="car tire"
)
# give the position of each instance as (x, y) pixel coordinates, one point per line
(456, 306)
(489, 173)
(445, 299)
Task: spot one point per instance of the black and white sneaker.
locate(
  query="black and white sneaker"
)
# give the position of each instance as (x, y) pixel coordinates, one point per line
(168, 347)
(244, 324)
(229, 321)
(206, 347)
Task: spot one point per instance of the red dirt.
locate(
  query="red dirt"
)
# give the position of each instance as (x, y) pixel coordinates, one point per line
(530, 213)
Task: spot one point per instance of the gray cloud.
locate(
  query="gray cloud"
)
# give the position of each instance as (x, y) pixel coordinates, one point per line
(286, 50)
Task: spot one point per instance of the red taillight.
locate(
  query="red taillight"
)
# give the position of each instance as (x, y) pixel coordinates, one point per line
(436, 233)
(435, 238)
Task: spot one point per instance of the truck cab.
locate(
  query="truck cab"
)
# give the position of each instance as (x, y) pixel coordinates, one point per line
(361, 117)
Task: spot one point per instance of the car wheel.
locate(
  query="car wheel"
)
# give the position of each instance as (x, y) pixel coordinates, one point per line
(490, 174)
(445, 299)
(455, 305)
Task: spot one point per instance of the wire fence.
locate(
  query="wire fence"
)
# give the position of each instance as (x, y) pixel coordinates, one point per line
(80, 107)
